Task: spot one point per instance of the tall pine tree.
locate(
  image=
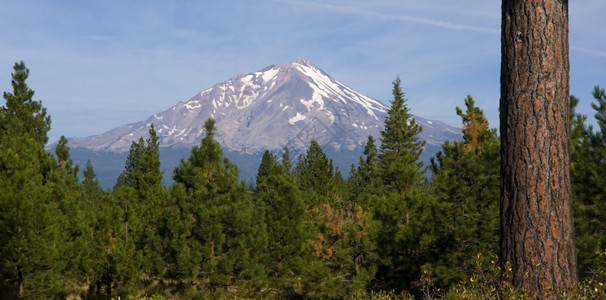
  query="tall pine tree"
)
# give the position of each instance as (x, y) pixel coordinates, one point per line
(22, 115)
(463, 222)
(340, 252)
(30, 218)
(401, 147)
(217, 239)
(396, 206)
(141, 197)
(287, 231)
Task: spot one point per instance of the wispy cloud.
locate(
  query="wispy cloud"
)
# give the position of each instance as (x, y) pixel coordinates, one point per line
(392, 17)
(589, 51)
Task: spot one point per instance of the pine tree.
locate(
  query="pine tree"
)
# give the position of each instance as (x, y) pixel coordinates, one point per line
(217, 236)
(91, 189)
(100, 215)
(124, 261)
(142, 167)
(342, 257)
(287, 232)
(22, 115)
(286, 163)
(65, 191)
(587, 175)
(141, 196)
(364, 181)
(315, 171)
(315, 177)
(30, 218)
(368, 169)
(399, 201)
(475, 127)
(401, 147)
(340, 252)
(463, 222)
(268, 161)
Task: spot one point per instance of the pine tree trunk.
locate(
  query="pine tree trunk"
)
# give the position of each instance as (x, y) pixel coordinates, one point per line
(537, 231)
(21, 286)
(126, 224)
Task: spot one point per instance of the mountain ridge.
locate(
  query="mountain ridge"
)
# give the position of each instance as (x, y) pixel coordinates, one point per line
(280, 105)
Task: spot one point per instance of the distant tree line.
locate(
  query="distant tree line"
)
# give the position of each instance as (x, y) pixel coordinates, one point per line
(303, 230)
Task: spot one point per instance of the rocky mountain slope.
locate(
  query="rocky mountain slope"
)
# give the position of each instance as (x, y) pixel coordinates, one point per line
(281, 105)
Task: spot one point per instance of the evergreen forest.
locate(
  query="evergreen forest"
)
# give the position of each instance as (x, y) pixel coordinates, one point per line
(388, 228)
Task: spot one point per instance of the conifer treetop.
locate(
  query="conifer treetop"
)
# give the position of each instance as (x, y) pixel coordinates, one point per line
(21, 115)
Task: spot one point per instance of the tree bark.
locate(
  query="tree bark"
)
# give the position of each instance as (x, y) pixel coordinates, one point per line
(537, 230)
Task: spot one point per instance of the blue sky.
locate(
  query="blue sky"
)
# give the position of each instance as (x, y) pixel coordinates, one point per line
(100, 64)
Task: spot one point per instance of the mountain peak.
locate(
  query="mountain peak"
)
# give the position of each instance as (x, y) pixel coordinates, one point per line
(280, 105)
(304, 62)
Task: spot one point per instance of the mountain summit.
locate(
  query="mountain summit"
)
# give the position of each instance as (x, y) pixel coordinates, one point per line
(281, 105)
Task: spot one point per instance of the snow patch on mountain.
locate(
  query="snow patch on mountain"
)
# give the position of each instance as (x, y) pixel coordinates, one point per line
(269, 75)
(295, 119)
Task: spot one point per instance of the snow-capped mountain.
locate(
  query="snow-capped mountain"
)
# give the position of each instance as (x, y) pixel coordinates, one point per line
(281, 105)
